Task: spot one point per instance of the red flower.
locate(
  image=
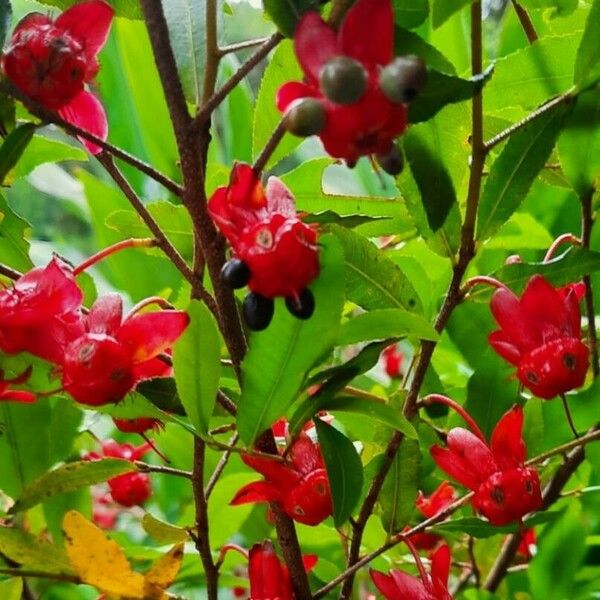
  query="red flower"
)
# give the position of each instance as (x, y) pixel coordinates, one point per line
(52, 60)
(528, 544)
(139, 425)
(392, 361)
(370, 124)
(300, 486)
(269, 577)
(400, 585)
(41, 312)
(115, 354)
(540, 334)
(129, 489)
(264, 231)
(104, 513)
(505, 489)
(429, 506)
(7, 394)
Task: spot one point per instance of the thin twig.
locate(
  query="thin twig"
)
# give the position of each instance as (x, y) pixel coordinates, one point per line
(9, 272)
(49, 116)
(270, 146)
(39, 574)
(213, 56)
(147, 468)
(223, 50)
(210, 485)
(526, 22)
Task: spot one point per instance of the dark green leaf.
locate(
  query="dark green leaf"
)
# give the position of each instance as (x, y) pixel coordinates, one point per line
(348, 221)
(400, 489)
(344, 470)
(567, 268)
(187, 32)
(68, 478)
(579, 143)
(5, 18)
(162, 392)
(197, 364)
(282, 67)
(587, 62)
(279, 357)
(123, 8)
(14, 249)
(13, 147)
(372, 279)
(435, 185)
(441, 90)
(386, 323)
(514, 171)
(287, 13)
(442, 10)
(7, 114)
(410, 13)
(408, 42)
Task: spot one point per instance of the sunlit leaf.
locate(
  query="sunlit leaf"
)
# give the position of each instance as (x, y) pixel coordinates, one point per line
(161, 532)
(587, 61)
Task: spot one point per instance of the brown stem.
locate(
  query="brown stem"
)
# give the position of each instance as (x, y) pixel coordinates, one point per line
(526, 22)
(202, 525)
(9, 272)
(223, 50)
(49, 116)
(338, 11)
(143, 467)
(452, 299)
(213, 56)
(271, 145)
(210, 485)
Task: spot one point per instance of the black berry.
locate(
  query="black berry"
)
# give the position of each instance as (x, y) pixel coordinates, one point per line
(392, 162)
(403, 78)
(343, 80)
(258, 311)
(235, 273)
(305, 117)
(303, 306)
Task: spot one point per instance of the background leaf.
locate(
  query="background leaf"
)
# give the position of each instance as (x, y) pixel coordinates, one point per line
(123, 8)
(286, 13)
(14, 249)
(587, 62)
(13, 147)
(344, 470)
(410, 13)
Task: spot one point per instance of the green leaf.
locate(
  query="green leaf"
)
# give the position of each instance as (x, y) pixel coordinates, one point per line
(13, 147)
(567, 268)
(579, 144)
(42, 150)
(408, 42)
(11, 589)
(14, 249)
(515, 170)
(376, 411)
(174, 221)
(282, 67)
(400, 489)
(5, 18)
(384, 324)
(442, 10)
(389, 216)
(373, 280)
(123, 8)
(410, 13)
(441, 90)
(32, 552)
(521, 231)
(7, 114)
(162, 392)
(348, 221)
(197, 364)
(286, 13)
(587, 61)
(161, 532)
(561, 8)
(68, 478)
(186, 20)
(437, 191)
(278, 359)
(344, 470)
(532, 75)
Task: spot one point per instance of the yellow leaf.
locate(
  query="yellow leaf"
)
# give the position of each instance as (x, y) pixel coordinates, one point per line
(99, 561)
(163, 573)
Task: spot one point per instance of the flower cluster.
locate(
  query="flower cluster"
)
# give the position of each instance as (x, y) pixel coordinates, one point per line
(299, 485)
(129, 489)
(355, 93)
(540, 333)
(276, 254)
(100, 354)
(52, 60)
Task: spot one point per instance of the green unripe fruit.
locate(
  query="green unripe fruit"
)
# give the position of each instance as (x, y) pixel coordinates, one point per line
(343, 80)
(392, 162)
(403, 78)
(305, 117)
